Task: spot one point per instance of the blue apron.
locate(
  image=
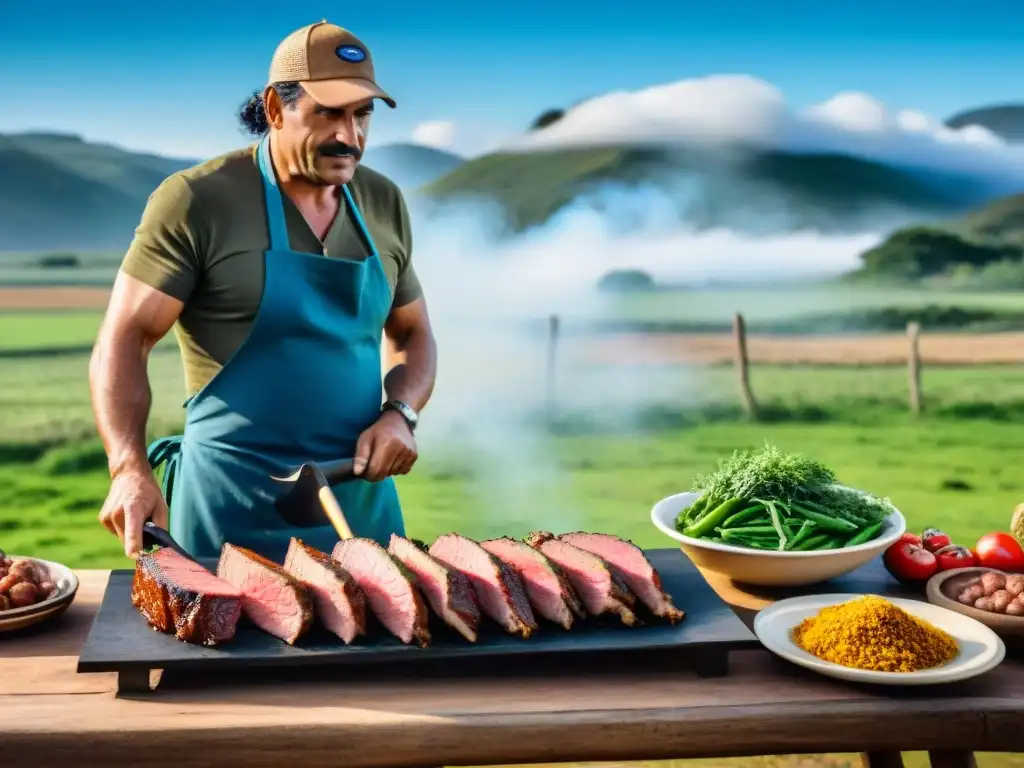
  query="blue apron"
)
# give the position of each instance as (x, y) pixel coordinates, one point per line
(302, 387)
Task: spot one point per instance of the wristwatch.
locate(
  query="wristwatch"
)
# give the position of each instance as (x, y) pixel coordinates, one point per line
(407, 412)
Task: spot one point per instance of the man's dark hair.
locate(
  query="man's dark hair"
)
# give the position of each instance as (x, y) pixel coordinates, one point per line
(253, 116)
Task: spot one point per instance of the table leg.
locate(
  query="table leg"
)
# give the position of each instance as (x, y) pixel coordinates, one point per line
(952, 758)
(882, 759)
(133, 680)
(711, 662)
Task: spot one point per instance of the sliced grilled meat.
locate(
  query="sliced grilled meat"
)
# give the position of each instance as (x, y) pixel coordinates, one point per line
(340, 603)
(630, 563)
(597, 585)
(390, 589)
(178, 596)
(499, 589)
(274, 600)
(449, 591)
(550, 592)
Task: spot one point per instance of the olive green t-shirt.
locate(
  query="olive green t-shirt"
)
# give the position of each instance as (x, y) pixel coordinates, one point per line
(203, 234)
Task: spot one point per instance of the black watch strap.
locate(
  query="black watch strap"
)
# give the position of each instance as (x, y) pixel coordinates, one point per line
(407, 412)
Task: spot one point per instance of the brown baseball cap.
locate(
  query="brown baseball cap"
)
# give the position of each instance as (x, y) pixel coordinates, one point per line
(331, 63)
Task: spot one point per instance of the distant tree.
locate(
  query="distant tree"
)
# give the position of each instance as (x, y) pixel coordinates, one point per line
(919, 252)
(60, 261)
(547, 118)
(626, 281)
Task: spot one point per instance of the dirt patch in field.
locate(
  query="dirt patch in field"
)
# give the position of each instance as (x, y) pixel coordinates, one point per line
(869, 349)
(54, 298)
(669, 348)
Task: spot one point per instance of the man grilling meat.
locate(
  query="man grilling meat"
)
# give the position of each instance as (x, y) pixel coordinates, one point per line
(282, 264)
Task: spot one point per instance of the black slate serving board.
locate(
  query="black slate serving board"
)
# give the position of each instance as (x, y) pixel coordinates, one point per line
(121, 641)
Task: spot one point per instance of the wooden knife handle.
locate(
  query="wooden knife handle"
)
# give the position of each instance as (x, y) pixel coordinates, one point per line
(333, 511)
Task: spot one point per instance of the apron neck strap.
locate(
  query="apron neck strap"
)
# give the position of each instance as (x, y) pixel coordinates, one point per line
(275, 206)
(358, 217)
(272, 195)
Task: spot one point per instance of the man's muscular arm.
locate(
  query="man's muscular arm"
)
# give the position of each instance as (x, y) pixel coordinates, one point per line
(388, 448)
(412, 355)
(137, 317)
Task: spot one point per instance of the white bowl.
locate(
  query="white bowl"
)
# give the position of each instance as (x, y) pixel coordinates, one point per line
(769, 568)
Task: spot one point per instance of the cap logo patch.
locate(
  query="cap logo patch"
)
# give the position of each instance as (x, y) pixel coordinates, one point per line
(351, 53)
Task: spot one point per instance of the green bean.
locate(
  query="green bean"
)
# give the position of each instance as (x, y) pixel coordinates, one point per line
(805, 530)
(866, 534)
(834, 542)
(813, 542)
(815, 506)
(773, 513)
(743, 515)
(712, 519)
(827, 522)
(750, 529)
(689, 514)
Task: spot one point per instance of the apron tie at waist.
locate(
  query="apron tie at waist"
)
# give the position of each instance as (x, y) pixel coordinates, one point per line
(166, 450)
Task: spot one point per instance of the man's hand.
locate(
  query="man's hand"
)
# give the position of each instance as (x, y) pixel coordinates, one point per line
(133, 499)
(386, 448)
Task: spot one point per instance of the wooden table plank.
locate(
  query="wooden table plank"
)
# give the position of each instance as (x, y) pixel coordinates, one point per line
(49, 714)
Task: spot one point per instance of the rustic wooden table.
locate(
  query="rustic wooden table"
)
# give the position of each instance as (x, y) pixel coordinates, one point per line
(50, 716)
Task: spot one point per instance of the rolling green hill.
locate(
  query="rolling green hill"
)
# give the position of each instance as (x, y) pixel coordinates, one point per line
(59, 191)
(1005, 121)
(752, 191)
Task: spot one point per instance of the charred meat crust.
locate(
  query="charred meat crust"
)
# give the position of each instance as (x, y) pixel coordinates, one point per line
(518, 553)
(499, 589)
(646, 585)
(617, 599)
(192, 617)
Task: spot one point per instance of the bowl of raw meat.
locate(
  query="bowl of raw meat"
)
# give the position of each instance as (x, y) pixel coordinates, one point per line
(33, 590)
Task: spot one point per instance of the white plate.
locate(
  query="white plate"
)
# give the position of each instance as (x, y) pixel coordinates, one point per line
(981, 649)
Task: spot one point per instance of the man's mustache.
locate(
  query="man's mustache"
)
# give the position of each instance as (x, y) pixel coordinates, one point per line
(337, 149)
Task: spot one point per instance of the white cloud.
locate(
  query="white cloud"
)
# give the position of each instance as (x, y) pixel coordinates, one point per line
(439, 134)
(466, 140)
(741, 109)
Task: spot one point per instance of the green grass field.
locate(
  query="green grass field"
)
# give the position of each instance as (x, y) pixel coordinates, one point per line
(957, 468)
(784, 302)
(960, 475)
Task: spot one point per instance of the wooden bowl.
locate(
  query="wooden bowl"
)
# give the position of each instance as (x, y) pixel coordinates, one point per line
(54, 605)
(944, 586)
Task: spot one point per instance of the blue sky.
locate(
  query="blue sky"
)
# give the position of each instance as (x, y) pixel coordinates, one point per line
(139, 75)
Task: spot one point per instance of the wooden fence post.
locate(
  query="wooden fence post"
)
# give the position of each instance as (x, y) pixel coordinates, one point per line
(914, 366)
(551, 399)
(739, 328)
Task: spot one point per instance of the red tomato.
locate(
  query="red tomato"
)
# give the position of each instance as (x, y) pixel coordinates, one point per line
(913, 538)
(933, 540)
(955, 556)
(909, 562)
(1002, 551)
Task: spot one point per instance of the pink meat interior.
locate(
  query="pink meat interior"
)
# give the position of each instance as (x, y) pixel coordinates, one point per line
(267, 598)
(190, 575)
(387, 590)
(587, 573)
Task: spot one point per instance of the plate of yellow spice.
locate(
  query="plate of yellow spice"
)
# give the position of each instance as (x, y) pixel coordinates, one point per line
(867, 638)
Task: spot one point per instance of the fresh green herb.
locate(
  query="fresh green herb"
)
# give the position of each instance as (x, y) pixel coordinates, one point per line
(768, 499)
